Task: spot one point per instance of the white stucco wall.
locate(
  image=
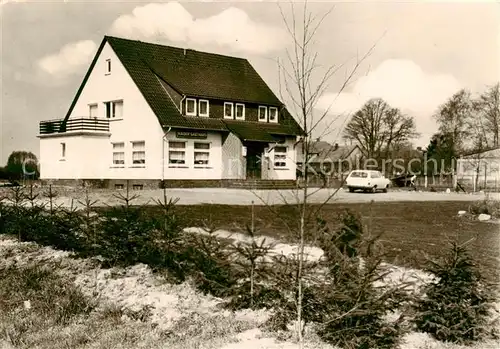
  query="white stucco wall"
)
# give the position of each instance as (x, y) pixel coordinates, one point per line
(189, 170)
(83, 157)
(270, 172)
(139, 123)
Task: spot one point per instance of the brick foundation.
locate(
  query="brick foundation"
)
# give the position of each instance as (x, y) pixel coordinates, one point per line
(177, 183)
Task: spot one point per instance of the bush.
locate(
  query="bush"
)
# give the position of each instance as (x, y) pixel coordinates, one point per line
(212, 269)
(485, 206)
(349, 309)
(456, 307)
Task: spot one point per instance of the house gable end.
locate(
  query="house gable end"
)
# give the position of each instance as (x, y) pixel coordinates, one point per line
(86, 77)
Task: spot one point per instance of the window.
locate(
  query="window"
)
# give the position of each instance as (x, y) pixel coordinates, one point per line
(119, 153)
(203, 107)
(63, 150)
(137, 186)
(375, 174)
(262, 113)
(108, 66)
(114, 109)
(139, 152)
(201, 153)
(240, 111)
(228, 110)
(280, 157)
(119, 186)
(93, 110)
(359, 175)
(191, 106)
(273, 114)
(177, 153)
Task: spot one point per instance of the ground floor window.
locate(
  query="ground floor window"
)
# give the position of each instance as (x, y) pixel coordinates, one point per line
(138, 153)
(119, 153)
(280, 154)
(177, 153)
(201, 153)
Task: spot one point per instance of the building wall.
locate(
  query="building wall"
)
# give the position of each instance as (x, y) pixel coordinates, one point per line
(137, 124)
(269, 171)
(233, 161)
(483, 171)
(190, 170)
(83, 158)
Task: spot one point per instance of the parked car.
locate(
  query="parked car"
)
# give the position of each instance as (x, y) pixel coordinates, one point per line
(367, 180)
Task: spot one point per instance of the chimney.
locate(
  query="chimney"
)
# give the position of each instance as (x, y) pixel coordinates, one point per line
(185, 51)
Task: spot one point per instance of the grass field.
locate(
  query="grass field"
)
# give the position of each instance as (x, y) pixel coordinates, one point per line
(409, 229)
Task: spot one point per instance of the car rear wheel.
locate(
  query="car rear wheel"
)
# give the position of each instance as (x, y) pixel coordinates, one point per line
(374, 189)
(351, 190)
(385, 189)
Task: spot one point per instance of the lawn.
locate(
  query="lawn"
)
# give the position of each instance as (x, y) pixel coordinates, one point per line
(409, 229)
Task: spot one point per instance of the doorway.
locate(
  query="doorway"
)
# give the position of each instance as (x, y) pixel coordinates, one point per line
(254, 160)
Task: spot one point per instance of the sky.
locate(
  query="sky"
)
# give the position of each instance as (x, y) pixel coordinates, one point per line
(423, 52)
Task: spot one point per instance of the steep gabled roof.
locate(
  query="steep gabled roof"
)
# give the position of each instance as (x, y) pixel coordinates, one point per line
(196, 74)
(325, 151)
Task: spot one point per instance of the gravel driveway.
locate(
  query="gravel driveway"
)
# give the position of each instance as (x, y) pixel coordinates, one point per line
(245, 197)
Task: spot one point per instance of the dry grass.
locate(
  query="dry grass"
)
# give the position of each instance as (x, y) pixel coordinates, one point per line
(410, 230)
(113, 308)
(120, 316)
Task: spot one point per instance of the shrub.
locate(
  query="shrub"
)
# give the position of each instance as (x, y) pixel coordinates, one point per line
(343, 304)
(259, 297)
(486, 206)
(456, 307)
(210, 258)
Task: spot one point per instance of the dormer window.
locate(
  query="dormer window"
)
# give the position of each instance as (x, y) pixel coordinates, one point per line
(273, 114)
(262, 113)
(228, 110)
(108, 66)
(240, 111)
(191, 106)
(203, 107)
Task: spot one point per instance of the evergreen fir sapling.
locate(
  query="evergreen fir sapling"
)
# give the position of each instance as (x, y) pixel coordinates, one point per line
(252, 258)
(456, 307)
(353, 308)
(212, 261)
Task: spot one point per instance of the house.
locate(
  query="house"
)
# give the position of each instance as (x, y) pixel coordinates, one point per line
(479, 170)
(152, 113)
(329, 159)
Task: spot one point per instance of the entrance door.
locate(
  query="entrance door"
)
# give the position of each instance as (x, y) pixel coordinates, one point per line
(254, 161)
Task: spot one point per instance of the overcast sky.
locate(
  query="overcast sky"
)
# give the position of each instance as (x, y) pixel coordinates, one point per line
(424, 51)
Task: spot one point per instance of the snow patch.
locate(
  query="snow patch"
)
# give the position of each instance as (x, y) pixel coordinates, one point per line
(311, 253)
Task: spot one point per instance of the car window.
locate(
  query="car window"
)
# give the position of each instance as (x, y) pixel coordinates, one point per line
(375, 174)
(359, 174)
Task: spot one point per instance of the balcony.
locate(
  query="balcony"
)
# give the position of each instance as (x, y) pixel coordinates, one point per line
(74, 125)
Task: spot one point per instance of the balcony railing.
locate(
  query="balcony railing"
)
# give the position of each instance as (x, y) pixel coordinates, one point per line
(81, 124)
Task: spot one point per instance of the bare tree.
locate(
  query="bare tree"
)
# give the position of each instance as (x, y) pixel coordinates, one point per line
(304, 81)
(487, 107)
(377, 128)
(453, 118)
